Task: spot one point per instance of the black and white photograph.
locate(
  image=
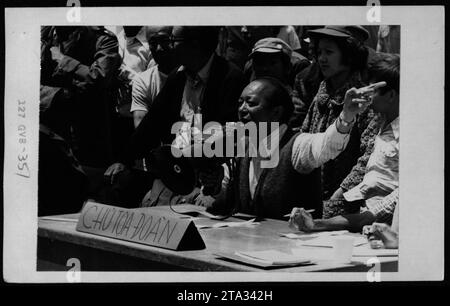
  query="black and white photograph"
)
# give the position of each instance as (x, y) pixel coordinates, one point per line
(249, 144)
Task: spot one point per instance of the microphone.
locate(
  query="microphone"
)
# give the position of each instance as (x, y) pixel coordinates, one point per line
(179, 168)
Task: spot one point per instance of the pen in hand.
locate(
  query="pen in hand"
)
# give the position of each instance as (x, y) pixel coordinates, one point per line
(308, 211)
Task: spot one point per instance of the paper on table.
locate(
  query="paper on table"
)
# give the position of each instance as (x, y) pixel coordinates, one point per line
(240, 215)
(228, 224)
(292, 235)
(190, 209)
(273, 257)
(328, 241)
(305, 235)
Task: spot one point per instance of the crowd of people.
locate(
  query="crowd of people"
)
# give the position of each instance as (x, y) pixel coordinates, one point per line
(109, 96)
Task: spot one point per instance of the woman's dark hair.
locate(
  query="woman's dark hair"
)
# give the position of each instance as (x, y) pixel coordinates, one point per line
(279, 96)
(385, 67)
(354, 52)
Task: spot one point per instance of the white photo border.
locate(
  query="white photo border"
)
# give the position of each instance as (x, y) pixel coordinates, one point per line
(422, 130)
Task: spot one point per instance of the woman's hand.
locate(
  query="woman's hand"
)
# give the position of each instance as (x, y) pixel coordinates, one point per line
(301, 220)
(355, 102)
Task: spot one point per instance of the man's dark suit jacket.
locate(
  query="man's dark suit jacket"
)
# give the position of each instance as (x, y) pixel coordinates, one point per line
(220, 104)
(75, 100)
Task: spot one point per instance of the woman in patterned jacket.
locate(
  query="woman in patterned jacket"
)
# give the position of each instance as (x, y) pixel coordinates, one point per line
(342, 58)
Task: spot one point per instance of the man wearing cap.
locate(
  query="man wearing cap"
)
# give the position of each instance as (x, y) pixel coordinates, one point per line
(272, 57)
(204, 84)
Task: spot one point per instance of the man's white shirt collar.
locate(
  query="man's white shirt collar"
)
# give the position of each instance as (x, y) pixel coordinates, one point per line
(141, 36)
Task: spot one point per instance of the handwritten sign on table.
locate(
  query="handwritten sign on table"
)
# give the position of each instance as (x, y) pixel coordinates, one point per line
(145, 226)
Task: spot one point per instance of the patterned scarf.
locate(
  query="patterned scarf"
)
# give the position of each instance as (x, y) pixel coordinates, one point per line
(327, 101)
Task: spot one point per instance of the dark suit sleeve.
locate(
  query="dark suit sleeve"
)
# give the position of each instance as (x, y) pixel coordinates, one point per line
(105, 64)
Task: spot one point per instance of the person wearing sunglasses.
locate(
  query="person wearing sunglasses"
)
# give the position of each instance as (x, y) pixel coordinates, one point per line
(148, 84)
(204, 84)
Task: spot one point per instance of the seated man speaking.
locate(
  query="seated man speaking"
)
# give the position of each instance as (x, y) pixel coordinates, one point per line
(379, 189)
(272, 192)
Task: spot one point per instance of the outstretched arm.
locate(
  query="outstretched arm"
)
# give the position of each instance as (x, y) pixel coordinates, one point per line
(313, 150)
(302, 220)
(102, 69)
(382, 211)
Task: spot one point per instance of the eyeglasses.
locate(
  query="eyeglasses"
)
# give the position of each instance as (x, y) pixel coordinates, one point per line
(175, 39)
(164, 41)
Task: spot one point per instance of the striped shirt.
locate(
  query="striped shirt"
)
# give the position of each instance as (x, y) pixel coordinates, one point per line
(384, 209)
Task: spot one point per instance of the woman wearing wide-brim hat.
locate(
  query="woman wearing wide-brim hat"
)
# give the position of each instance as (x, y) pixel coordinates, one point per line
(342, 58)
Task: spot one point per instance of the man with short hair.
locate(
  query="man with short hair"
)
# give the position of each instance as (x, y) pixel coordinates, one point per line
(272, 191)
(205, 85)
(272, 57)
(148, 84)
